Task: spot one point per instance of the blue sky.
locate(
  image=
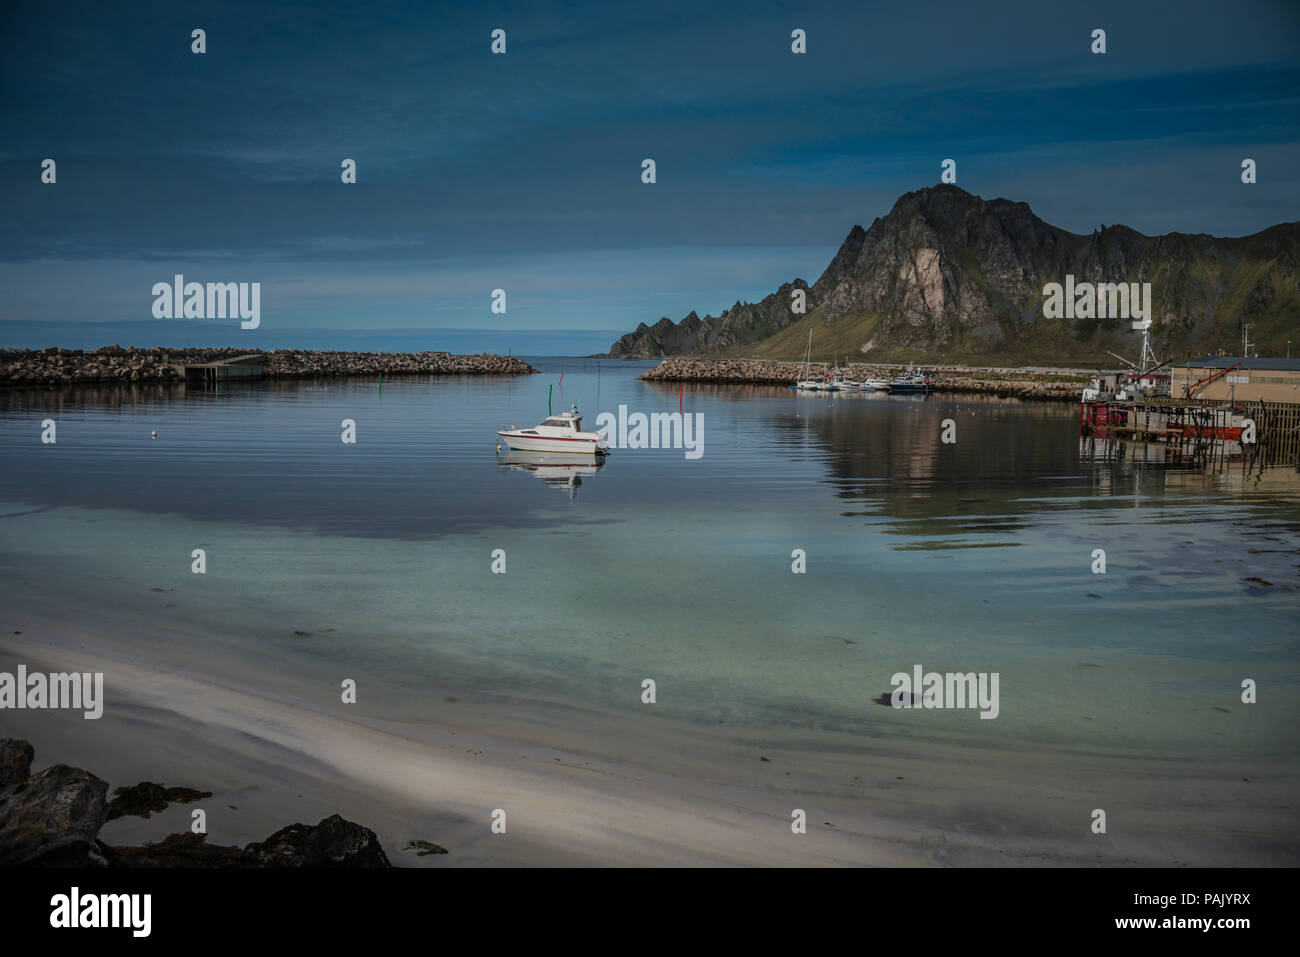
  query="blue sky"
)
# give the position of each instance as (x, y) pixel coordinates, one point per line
(522, 171)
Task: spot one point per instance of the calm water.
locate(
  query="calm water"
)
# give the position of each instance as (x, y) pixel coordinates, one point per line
(974, 556)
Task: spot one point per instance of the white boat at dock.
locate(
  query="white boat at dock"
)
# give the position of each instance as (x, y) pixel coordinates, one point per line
(557, 433)
(1142, 380)
(838, 383)
(808, 383)
(915, 383)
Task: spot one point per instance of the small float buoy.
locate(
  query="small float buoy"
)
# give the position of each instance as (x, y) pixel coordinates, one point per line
(498, 446)
(154, 434)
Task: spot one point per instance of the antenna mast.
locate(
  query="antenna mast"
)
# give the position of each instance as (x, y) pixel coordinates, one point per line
(1148, 360)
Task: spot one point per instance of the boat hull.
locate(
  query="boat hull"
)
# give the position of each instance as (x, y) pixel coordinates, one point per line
(518, 442)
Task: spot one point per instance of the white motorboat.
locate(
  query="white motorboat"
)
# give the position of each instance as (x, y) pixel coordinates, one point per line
(874, 385)
(557, 433)
(812, 385)
(838, 383)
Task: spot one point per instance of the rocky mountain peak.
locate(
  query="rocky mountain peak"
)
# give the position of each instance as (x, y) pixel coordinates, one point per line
(947, 273)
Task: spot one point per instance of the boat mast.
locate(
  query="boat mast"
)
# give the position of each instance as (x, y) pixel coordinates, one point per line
(1148, 360)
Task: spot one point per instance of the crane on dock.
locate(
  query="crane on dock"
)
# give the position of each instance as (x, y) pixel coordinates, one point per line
(1193, 386)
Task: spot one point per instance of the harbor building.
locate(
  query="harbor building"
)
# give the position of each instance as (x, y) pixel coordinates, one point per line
(1238, 379)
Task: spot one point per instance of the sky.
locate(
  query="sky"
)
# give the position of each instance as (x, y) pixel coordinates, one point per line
(523, 171)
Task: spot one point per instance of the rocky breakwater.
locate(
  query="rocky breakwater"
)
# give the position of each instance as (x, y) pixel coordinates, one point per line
(39, 368)
(52, 819)
(1044, 386)
(1047, 384)
(740, 371)
(54, 367)
(298, 363)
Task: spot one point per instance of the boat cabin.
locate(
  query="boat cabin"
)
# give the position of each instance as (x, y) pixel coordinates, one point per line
(570, 421)
(565, 420)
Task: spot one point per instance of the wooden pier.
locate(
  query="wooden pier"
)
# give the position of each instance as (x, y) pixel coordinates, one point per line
(1277, 434)
(1203, 432)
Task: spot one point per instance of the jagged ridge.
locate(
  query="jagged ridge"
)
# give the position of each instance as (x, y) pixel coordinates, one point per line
(949, 275)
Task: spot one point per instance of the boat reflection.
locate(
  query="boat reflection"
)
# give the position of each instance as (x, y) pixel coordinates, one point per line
(556, 469)
(864, 395)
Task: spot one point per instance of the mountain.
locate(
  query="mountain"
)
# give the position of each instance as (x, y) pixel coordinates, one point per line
(948, 275)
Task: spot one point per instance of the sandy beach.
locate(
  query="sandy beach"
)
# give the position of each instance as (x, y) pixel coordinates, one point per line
(619, 793)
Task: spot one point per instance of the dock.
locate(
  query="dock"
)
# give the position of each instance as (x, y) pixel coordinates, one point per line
(247, 366)
(1201, 431)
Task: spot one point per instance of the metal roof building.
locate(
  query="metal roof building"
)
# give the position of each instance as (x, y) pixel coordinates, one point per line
(1246, 379)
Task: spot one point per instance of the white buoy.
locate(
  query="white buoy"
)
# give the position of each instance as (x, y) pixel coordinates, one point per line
(498, 446)
(154, 433)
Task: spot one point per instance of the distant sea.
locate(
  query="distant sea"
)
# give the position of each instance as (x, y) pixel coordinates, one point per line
(171, 333)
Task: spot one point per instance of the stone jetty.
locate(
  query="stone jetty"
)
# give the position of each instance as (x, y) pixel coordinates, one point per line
(299, 364)
(1045, 384)
(56, 367)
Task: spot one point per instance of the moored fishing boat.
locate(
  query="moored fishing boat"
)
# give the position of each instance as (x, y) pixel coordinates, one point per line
(911, 381)
(557, 433)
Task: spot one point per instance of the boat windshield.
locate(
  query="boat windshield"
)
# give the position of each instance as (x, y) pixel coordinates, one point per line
(557, 423)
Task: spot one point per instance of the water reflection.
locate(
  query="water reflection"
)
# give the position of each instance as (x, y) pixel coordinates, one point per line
(555, 469)
(1009, 462)
(737, 392)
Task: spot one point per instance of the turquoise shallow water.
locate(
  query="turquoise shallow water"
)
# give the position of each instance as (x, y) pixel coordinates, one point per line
(973, 556)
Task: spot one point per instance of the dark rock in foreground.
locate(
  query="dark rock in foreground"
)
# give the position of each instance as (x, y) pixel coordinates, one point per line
(146, 797)
(15, 761)
(177, 850)
(51, 818)
(333, 843)
(423, 848)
